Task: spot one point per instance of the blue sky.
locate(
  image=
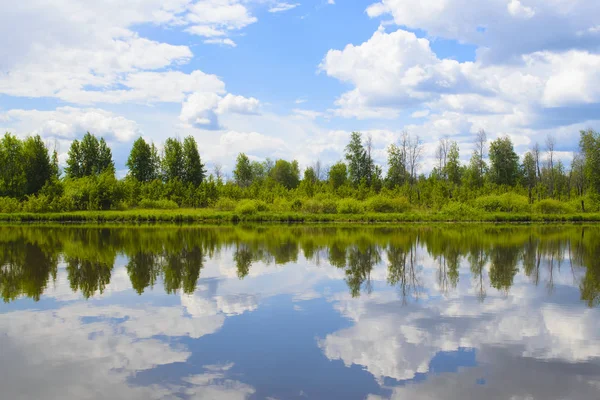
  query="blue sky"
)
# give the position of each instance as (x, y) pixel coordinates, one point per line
(292, 79)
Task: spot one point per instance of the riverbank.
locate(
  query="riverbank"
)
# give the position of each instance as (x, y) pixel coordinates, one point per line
(214, 216)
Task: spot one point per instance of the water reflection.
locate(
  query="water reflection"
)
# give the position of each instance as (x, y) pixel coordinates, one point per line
(300, 312)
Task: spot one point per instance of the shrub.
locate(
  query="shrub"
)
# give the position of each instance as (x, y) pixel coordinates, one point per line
(320, 207)
(549, 206)
(349, 206)
(507, 202)
(37, 204)
(382, 204)
(158, 204)
(261, 206)
(296, 205)
(459, 211)
(246, 207)
(9, 205)
(225, 204)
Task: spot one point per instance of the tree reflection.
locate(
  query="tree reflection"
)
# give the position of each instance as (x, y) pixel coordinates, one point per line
(243, 260)
(30, 256)
(181, 270)
(88, 276)
(25, 269)
(143, 269)
(402, 271)
(361, 261)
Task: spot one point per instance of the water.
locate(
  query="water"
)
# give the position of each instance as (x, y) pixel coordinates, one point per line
(275, 312)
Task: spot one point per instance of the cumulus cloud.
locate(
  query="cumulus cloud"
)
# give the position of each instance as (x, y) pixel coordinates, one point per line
(502, 29)
(70, 122)
(238, 104)
(89, 53)
(201, 109)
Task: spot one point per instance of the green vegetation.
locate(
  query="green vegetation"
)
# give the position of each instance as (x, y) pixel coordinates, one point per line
(175, 185)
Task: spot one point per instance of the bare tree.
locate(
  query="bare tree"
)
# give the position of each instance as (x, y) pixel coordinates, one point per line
(550, 144)
(535, 151)
(441, 154)
(369, 165)
(415, 150)
(480, 147)
(319, 170)
(218, 171)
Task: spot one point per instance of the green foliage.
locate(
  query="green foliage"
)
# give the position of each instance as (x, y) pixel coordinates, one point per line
(287, 174)
(382, 204)
(350, 206)
(247, 207)
(590, 146)
(508, 202)
(550, 206)
(37, 164)
(505, 162)
(193, 168)
(225, 204)
(158, 204)
(320, 206)
(243, 173)
(453, 169)
(89, 157)
(13, 176)
(338, 175)
(397, 173)
(142, 161)
(9, 205)
(360, 163)
(173, 161)
(459, 211)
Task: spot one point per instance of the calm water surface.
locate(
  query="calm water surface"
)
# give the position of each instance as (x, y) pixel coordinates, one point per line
(274, 312)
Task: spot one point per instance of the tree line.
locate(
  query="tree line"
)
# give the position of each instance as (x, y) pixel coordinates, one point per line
(176, 176)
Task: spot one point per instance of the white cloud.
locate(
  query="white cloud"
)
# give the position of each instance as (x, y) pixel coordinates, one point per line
(492, 25)
(201, 109)
(282, 6)
(238, 104)
(310, 114)
(517, 9)
(69, 123)
(225, 14)
(224, 42)
(88, 53)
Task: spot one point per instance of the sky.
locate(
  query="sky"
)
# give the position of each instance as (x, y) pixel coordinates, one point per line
(293, 79)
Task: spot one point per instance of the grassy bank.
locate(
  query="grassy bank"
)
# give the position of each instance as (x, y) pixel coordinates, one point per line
(214, 216)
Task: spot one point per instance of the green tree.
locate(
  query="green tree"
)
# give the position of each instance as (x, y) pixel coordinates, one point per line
(504, 168)
(243, 171)
(12, 172)
(173, 161)
(590, 147)
(453, 168)
(140, 162)
(397, 171)
(90, 154)
(105, 161)
(89, 157)
(357, 159)
(310, 176)
(37, 164)
(286, 173)
(74, 161)
(338, 175)
(193, 168)
(529, 173)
